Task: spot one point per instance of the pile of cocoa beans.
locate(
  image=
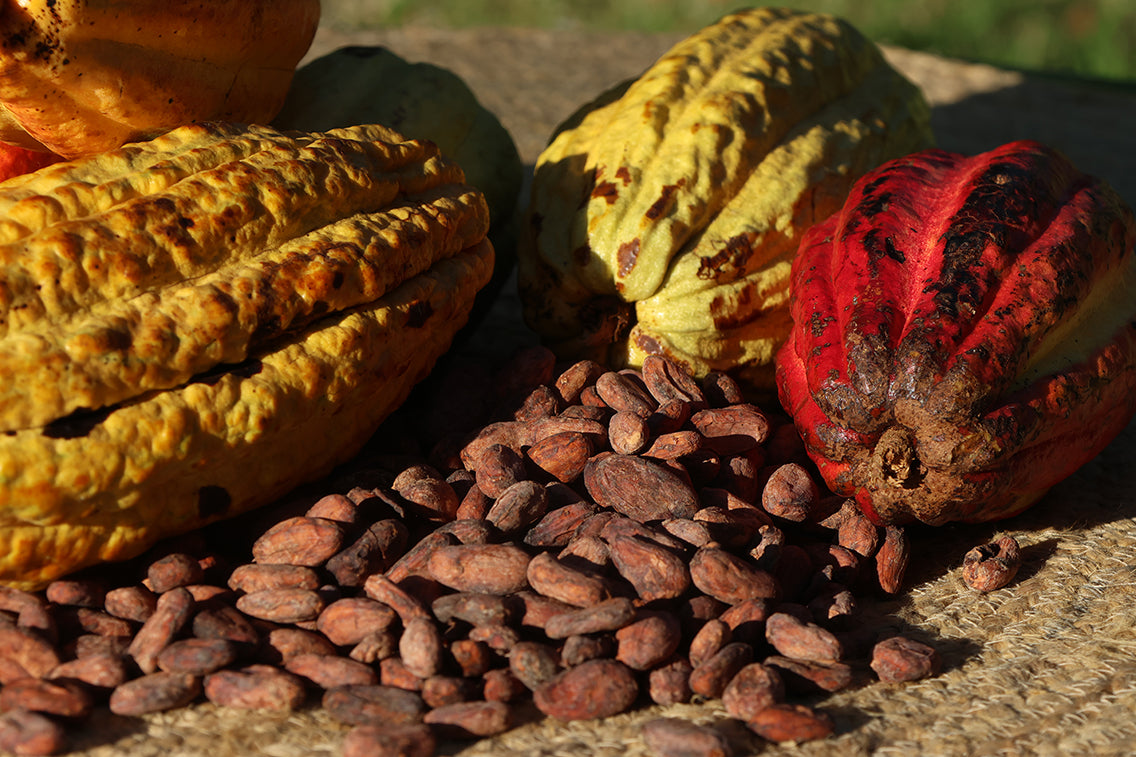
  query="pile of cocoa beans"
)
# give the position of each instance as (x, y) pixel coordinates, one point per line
(575, 538)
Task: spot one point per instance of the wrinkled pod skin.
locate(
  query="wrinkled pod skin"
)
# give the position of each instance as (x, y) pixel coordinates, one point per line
(963, 333)
(664, 214)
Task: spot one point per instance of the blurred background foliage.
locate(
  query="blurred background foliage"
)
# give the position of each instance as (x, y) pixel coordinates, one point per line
(1087, 38)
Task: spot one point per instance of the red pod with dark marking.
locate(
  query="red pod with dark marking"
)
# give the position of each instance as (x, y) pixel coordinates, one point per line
(964, 333)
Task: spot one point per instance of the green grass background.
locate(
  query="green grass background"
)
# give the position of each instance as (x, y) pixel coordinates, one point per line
(1087, 38)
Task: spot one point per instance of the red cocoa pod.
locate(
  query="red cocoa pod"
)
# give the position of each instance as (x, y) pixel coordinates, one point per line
(282, 644)
(498, 468)
(470, 720)
(732, 430)
(439, 690)
(667, 381)
(485, 568)
(393, 672)
(573, 379)
(790, 493)
(899, 659)
(256, 577)
(387, 741)
(730, 578)
(639, 488)
(30, 733)
(155, 692)
(197, 656)
(751, 690)
(892, 558)
(347, 621)
(654, 571)
(541, 402)
(791, 722)
(386, 592)
(534, 663)
(606, 615)
(677, 737)
(99, 671)
(628, 433)
(282, 605)
(992, 566)
(800, 640)
(473, 658)
(373, 551)
(502, 686)
(300, 540)
(648, 641)
(330, 671)
(551, 577)
(558, 525)
(135, 603)
(518, 508)
(710, 678)
(415, 561)
(335, 507)
(76, 593)
(375, 646)
(173, 611)
(67, 699)
(512, 434)
(372, 704)
(809, 677)
(421, 647)
(670, 683)
(175, 569)
(594, 689)
(478, 609)
(257, 687)
(721, 389)
(711, 637)
(562, 455)
(224, 622)
(621, 392)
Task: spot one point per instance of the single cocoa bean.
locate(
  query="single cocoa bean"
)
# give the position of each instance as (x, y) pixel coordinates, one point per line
(518, 508)
(347, 621)
(606, 615)
(670, 683)
(899, 659)
(99, 671)
(173, 611)
(154, 692)
(648, 641)
(801, 640)
(892, 558)
(331, 671)
(386, 592)
(751, 690)
(388, 741)
(534, 663)
(197, 656)
(135, 603)
(809, 677)
(300, 540)
(484, 568)
(638, 488)
(992, 566)
(655, 572)
(791, 722)
(676, 737)
(710, 678)
(628, 433)
(370, 704)
(30, 733)
(498, 468)
(562, 455)
(733, 429)
(282, 605)
(257, 687)
(175, 569)
(622, 393)
(253, 577)
(790, 493)
(67, 699)
(421, 647)
(730, 578)
(594, 689)
(558, 525)
(551, 577)
(470, 720)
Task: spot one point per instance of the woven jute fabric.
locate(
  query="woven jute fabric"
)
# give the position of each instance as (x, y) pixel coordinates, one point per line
(1046, 666)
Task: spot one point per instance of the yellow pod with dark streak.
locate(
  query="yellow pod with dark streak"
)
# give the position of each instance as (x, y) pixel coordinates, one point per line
(664, 215)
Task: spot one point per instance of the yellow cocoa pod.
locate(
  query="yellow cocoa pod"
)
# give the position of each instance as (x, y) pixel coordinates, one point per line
(665, 214)
(192, 326)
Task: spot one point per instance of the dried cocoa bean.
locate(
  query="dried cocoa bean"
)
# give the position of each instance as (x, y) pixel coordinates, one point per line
(347, 621)
(710, 678)
(730, 578)
(558, 525)
(721, 389)
(746, 619)
(666, 381)
(899, 659)
(992, 566)
(470, 720)
(87, 620)
(135, 603)
(534, 663)
(733, 429)
(551, 577)
(415, 560)
(484, 568)
(674, 445)
(253, 577)
(670, 683)
(512, 434)
(594, 689)
(541, 402)
(300, 540)
(76, 593)
(518, 508)
(790, 493)
(539, 609)
(562, 455)
(809, 677)
(800, 640)
(257, 687)
(478, 609)
(473, 658)
(439, 691)
(628, 433)
(30, 733)
(572, 381)
(676, 737)
(371, 704)
(892, 558)
(173, 611)
(648, 641)
(197, 656)
(791, 722)
(583, 647)
(386, 592)
(639, 489)
(387, 741)
(335, 507)
(224, 622)
(499, 467)
(155, 692)
(714, 634)
(606, 615)
(857, 533)
(393, 672)
(375, 646)
(502, 686)
(99, 671)
(655, 572)
(330, 671)
(282, 605)
(622, 393)
(498, 638)
(751, 690)
(66, 699)
(282, 644)
(421, 647)
(175, 569)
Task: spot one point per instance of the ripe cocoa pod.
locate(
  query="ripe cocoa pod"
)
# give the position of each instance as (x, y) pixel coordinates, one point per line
(181, 339)
(664, 214)
(980, 344)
